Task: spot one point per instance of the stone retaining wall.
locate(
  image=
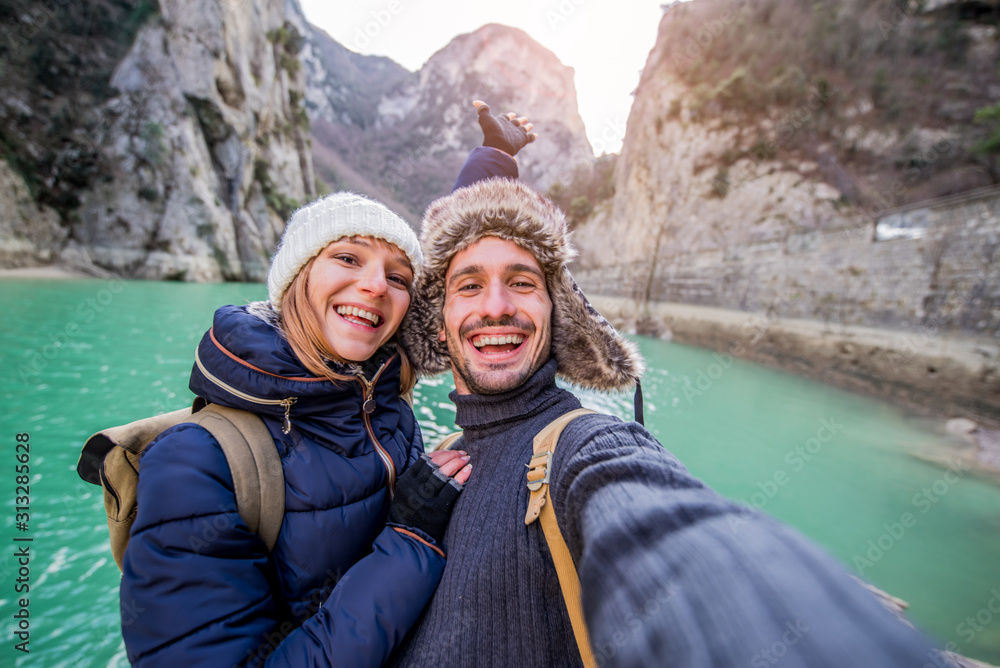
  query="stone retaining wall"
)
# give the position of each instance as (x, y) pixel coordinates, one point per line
(932, 268)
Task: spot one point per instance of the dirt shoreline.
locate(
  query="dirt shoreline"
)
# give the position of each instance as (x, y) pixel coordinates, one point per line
(929, 374)
(47, 271)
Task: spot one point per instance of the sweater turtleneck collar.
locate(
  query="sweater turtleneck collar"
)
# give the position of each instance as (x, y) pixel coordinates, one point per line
(482, 413)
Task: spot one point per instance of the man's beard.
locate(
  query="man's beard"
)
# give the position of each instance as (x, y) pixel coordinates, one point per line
(499, 381)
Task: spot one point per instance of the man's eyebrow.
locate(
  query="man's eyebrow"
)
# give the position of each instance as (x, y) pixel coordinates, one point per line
(465, 271)
(525, 269)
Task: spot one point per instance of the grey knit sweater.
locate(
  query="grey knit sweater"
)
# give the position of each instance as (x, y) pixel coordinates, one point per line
(672, 574)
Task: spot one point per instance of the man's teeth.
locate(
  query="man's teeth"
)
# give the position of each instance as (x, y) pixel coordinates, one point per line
(357, 312)
(497, 340)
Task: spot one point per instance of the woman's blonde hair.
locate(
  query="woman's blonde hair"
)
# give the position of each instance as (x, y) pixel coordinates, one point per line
(304, 333)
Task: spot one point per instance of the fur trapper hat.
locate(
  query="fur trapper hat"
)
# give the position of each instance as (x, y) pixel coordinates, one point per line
(315, 226)
(588, 350)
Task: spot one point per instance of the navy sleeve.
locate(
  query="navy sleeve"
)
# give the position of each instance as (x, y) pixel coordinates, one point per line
(197, 583)
(484, 163)
(669, 568)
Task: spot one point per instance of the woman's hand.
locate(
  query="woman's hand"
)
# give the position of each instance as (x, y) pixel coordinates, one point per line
(426, 492)
(453, 463)
(508, 133)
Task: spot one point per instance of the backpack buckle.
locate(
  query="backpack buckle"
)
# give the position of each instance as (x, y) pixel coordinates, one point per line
(538, 470)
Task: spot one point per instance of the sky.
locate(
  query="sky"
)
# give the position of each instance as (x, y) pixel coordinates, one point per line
(605, 41)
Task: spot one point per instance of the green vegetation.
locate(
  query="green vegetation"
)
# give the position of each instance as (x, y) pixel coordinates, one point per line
(282, 204)
(154, 147)
(300, 118)
(580, 207)
(720, 182)
(288, 42)
(801, 80)
(143, 11)
(771, 53)
(588, 187)
(58, 58)
(989, 116)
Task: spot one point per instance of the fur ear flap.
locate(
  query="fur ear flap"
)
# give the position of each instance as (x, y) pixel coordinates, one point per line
(588, 350)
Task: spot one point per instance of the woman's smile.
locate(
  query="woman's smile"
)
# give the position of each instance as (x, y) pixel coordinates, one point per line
(359, 289)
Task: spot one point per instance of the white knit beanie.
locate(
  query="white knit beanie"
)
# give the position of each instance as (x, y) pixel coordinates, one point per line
(315, 226)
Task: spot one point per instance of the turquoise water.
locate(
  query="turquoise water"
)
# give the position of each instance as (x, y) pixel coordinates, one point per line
(81, 355)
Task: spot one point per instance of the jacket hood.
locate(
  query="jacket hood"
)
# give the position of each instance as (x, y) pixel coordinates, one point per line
(588, 350)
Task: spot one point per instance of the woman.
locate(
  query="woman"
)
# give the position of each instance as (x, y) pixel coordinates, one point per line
(198, 587)
(318, 362)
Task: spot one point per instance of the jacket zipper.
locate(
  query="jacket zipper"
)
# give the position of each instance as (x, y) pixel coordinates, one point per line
(286, 403)
(367, 409)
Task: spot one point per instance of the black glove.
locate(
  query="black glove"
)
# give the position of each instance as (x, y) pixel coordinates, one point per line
(424, 499)
(503, 133)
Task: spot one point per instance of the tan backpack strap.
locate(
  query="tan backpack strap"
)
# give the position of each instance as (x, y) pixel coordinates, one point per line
(541, 461)
(258, 478)
(447, 441)
(540, 507)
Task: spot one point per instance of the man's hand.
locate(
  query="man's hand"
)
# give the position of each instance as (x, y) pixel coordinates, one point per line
(508, 133)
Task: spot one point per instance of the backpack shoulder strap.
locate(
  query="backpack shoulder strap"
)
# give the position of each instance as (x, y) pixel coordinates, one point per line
(448, 441)
(258, 478)
(540, 507)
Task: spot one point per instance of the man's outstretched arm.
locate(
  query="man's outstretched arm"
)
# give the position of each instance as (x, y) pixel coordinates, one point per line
(503, 137)
(673, 574)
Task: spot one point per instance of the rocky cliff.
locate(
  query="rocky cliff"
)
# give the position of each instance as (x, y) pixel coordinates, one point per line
(403, 136)
(814, 186)
(754, 120)
(169, 141)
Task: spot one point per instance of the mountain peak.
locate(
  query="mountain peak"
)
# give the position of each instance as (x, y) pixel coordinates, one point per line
(425, 124)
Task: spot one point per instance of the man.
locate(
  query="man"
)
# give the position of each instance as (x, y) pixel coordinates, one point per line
(670, 572)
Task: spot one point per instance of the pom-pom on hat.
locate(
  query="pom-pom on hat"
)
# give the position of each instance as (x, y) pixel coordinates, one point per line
(315, 226)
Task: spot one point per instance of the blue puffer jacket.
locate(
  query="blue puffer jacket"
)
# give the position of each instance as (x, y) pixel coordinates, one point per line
(200, 589)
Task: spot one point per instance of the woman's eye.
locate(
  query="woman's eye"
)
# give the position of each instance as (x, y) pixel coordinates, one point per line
(349, 259)
(401, 280)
